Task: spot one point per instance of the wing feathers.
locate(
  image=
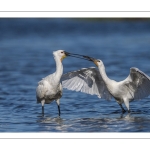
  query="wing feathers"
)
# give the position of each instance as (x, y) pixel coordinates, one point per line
(86, 80)
(138, 83)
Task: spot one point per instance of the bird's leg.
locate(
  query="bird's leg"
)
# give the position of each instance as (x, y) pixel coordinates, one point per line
(43, 102)
(42, 110)
(126, 102)
(123, 110)
(59, 109)
(58, 104)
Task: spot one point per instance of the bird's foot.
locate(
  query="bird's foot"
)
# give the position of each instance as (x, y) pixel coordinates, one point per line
(42, 114)
(123, 111)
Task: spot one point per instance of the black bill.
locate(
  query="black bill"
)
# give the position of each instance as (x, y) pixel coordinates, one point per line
(79, 56)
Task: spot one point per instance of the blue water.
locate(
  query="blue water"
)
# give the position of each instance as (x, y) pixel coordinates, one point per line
(26, 47)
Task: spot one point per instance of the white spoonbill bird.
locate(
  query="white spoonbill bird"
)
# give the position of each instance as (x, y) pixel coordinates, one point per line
(50, 88)
(96, 82)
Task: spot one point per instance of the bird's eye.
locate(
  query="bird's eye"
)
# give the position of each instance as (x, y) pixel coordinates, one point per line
(98, 61)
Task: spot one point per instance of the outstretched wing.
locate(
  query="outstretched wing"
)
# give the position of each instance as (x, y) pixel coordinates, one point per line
(86, 80)
(138, 83)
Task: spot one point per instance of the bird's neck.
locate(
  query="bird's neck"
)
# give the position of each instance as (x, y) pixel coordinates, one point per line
(59, 68)
(103, 74)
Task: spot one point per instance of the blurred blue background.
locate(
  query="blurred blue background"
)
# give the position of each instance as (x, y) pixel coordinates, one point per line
(26, 46)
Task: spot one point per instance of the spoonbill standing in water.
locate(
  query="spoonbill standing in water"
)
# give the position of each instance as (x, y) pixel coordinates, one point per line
(96, 82)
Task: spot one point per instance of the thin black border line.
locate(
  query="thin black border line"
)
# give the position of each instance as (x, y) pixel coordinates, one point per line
(75, 11)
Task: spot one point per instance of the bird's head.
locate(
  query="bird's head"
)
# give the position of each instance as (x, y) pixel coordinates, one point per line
(61, 54)
(97, 62)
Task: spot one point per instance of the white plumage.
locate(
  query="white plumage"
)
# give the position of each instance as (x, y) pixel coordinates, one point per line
(96, 82)
(50, 88)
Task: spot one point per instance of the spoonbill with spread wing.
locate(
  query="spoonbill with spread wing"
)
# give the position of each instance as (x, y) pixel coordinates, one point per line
(96, 82)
